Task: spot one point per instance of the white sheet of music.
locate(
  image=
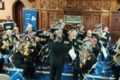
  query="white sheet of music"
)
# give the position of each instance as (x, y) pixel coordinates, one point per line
(72, 53)
(104, 51)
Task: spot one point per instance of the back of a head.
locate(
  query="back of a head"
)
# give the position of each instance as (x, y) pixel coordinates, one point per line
(4, 77)
(58, 37)
(88, 50)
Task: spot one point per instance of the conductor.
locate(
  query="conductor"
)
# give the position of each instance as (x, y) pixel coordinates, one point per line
(57, 55)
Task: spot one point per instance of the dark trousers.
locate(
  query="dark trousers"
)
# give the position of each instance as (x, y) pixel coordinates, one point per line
(76, 72)
(1, 65)
(56, 72)
(116, 71)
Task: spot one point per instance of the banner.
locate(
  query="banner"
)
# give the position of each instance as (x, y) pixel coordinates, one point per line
(30, 17)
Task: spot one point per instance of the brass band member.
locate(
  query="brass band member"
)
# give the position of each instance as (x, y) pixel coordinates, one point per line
(115, 63)
(105, 37)
(88, 36)
(18, 57)
(87, 59)
(29, 53)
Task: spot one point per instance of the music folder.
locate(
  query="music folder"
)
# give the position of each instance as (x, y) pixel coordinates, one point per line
(72, 53)
(104, 52)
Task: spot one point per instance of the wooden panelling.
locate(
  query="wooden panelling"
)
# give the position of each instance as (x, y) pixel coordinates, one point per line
(116, 22)
(60, 15)
(87, 4)
(44, 4)
(95, 19)
(90, 20)
(52, 17)
(70, 4)
(87, 21)
(92, 11)
(105, 19)
(115, 28)
(53, 4)
(62, 4)
(79, 4)
(96, 4)
(44, 19)
(39, 20)
(106, 4)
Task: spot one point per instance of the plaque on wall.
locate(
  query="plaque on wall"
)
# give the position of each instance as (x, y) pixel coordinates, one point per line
(73, 19)
(2, 4)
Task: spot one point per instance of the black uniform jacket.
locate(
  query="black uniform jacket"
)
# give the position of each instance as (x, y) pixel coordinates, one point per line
(57, 54)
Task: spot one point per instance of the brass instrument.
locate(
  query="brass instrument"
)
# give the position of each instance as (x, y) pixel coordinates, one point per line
(84, 57)
(116, 60)
(116, 57)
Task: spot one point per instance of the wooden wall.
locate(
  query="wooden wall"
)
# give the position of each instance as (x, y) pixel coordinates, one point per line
(92, 12)
(115, 26)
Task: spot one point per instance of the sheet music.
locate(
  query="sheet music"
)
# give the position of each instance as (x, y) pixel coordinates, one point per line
(72, 53)
(104, 51)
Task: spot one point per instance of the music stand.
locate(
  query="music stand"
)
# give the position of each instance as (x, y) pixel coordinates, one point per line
(17, 70)
(86, 75)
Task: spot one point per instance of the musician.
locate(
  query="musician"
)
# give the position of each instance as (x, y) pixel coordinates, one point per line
(88, 36)
(57, 55)
(29, 54)
(37, 50)
(29, 28)
(42, 36)
(105, 37)
(17, 56)
(81, 33)
(4, 47)
(115, 63)
(75, 64)
(96, 46)
(87, 59)
(90, 59)
(9, 38)
(15, 34)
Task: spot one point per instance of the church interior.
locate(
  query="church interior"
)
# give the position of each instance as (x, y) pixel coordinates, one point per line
(59, 39)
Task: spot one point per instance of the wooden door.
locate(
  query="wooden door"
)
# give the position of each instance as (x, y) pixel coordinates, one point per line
(115, 26)
(17, 14)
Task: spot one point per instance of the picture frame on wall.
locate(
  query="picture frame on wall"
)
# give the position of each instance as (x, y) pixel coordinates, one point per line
(2, 6)
(73, 19)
